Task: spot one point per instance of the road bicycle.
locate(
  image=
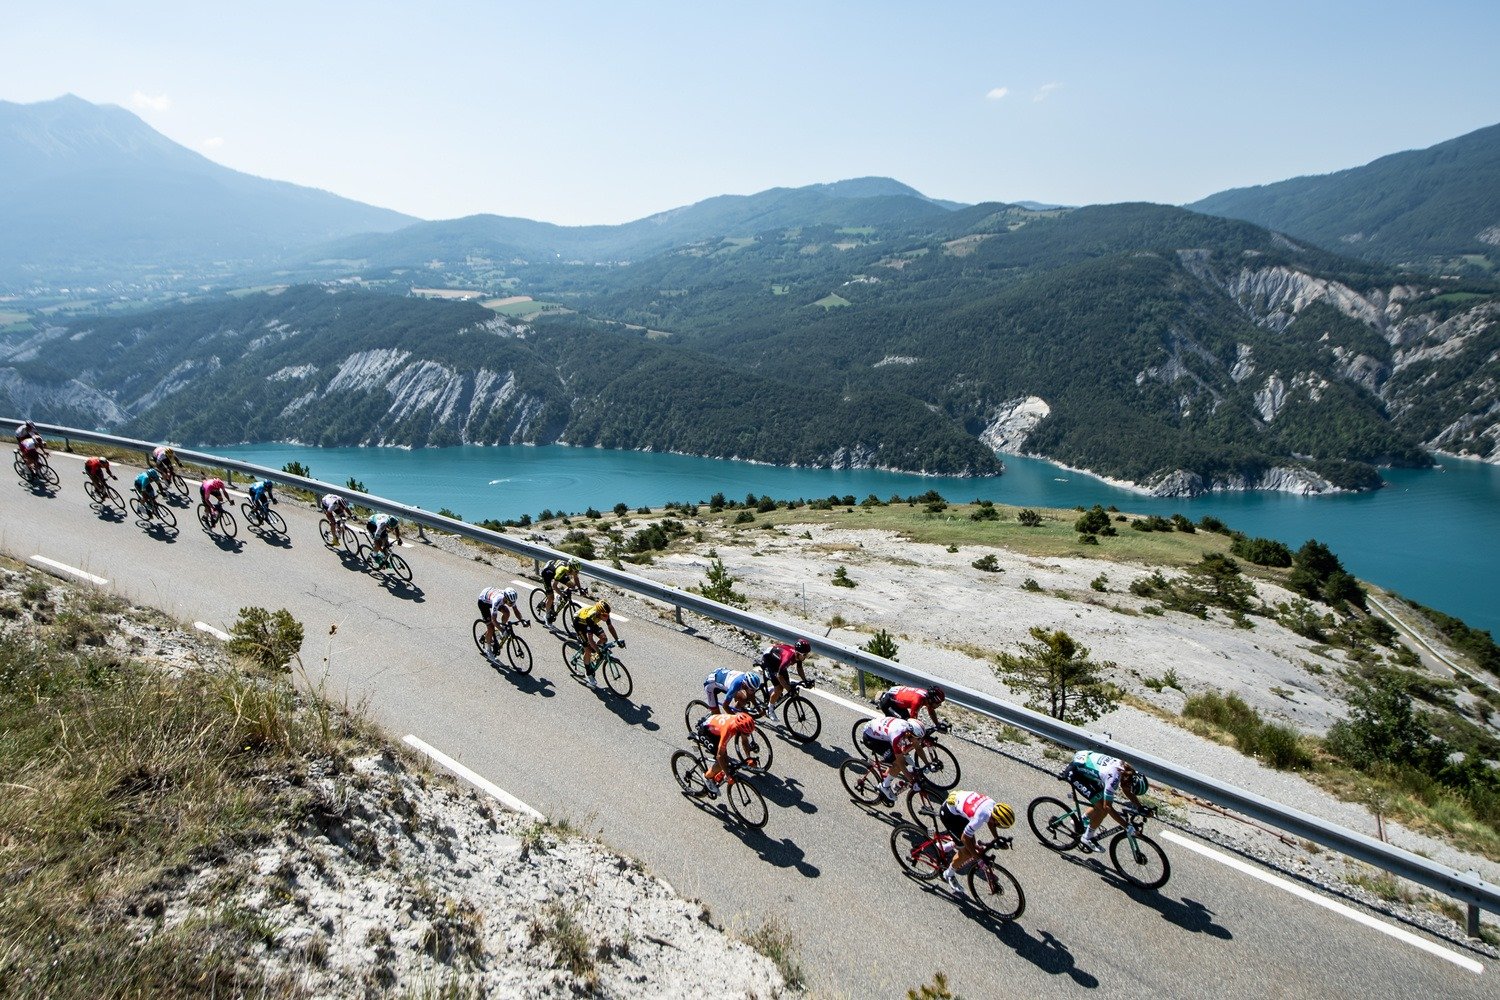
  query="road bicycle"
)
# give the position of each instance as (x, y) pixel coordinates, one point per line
(795, 714)
(259, 515)
(506, 647)
(761, 752)
(606, 664)
(388, 563)
(1138, 858)
(924, 854)
(863, 776)
(746, 804)
(147, 511)
(562, 603)
(102, 494)
(43, 472)
(218, 517)
(172, 482)
(342, 537)
(937, 761)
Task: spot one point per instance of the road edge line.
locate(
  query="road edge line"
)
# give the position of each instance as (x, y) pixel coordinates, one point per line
(69, 570)
(837, 700)
(474, 778)
(1400, 934)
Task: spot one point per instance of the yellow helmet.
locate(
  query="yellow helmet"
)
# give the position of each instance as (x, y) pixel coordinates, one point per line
(1004, 815)
(168, 452)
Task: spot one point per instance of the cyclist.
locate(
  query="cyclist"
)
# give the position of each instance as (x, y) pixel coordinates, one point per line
(964, 814)
(506, 602)
(335, 508)
(165, 461)
(26, 430)
(737, 687)
(1097, 777)
(892, 741)
(557, 576)
(776, 662)
(905, 702)
(214, 494)
(146, 485)
(96, 469)
(381, 527)
(31, 453)
(718, 730)
(262, 495)
(589, 625)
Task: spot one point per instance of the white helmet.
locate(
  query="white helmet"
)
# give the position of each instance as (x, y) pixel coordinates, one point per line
(509, 595)
(917, 730)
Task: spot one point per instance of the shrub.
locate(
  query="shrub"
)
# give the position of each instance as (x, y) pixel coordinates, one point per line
(1210, 523)
(986, 564)
(1031, 585)
(592, 514)
(1152, 522)
(1088, 539)
(1029, 518)
(1278, 745)
(744, 517)
(841, 578)
(297, 469)
(1183, 524)
(1092, 521)
(720, 584)
(986, 511)
(579, 544)
(1261, 551)
(269, 639)
(1100, 583)
(882, 644)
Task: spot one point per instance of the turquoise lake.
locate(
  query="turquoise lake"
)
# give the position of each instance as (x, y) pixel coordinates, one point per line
(1432, 534)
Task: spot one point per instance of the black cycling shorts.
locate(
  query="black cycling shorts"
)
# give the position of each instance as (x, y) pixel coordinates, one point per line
(954, 823)
(586, 630)
(879, 749)
(888, 706)
(485, 610)
(548, 572)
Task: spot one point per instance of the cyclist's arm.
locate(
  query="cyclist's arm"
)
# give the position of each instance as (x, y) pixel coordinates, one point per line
(612, 631)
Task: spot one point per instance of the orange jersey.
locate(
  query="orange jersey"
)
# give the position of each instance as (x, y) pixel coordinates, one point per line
(726, 727)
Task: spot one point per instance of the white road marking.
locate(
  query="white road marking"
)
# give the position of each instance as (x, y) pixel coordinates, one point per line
(829, 696)
(216, 633)
(474, 778)
(1416, 941)
(71, 571)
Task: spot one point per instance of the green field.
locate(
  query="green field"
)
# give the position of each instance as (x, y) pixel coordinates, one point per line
(524, 309)
(832, 301)
(856, 231)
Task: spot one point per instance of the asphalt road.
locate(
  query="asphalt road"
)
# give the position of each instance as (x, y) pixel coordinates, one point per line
(822, 864)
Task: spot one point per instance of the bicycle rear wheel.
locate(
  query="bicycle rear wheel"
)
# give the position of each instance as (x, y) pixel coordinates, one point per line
(252, 519)
(747, 804)
(517, 653)
(918, 852)
(762, 751)
(572, 654)
(860, 781)
(480, 630)
(139, 509)
(1055, 823)
(538, 604)
(326, 533)
(19, 464)
(203, 520)
(801, 718)
(854, 732)
(996, 889)
(616, 676)
(1139, 860)
(942, 767)
(695, 710)
(688, 770)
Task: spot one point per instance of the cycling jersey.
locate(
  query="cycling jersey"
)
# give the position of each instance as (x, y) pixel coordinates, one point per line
(379, 525)
(260, 492)
(1100, 774)
(725, 727)
(25, 430)
(972, 806)
(145, 483)
(777, 659)
(728, 683)
(895, 733)
(495, 597)
(212, 487)
(903, 702)
(28, 446)
(159, 455)
(96, 467)
(591, 615)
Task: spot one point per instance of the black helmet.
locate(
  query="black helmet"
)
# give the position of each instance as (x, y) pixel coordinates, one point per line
(802, 646)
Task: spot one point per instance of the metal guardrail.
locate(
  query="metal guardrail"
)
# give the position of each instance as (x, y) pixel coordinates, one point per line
(1466, 887)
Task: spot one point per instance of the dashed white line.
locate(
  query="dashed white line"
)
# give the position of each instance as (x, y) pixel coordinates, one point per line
(219, 634)
(1416, 941)
(70, 570)
(474, 778)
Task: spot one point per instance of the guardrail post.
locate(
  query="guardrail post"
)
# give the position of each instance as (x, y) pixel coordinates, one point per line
(861, 682)
(1471, 922)
(677, 613)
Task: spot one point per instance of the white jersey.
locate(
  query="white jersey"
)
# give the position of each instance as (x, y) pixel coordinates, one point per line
(973, 806)
(495, 598)
(889, 729)
(330, 502)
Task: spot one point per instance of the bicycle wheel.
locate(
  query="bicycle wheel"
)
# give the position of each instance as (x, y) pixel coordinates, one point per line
(398, 567)
(916, 801)
(517, 654)
(747, 804)
(801, 718)
(227, 525)
(1055, 823)
(1139, 860)
(538, 604)
(166, 516)
(19, 464)
(688, 770)
(762, 751)
(203, 518)
(996, 889)
(176, 484)
(565, 611)
(859, 746)
(572, 654)
(350, 541)
(480, 628)
(49, 475)
(114, 497)
(942, 767)
(616, 675)
(139, 509)
(919, 853)
(695, 710)
(275, 521)
(326, 533)
(252, 517)
(859, 781)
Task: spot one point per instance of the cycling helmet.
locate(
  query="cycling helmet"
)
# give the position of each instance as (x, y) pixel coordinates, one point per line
(604, 606)
(802, 646)
(916, 729)
(936, 696)
(755, 681)
(509, 595)
(168, 453)
(1138, 784)
(574, 565)
(1003, 815)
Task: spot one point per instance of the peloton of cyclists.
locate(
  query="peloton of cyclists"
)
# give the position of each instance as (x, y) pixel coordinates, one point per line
(731, 690)
(589, 625)
(719, 730)
(893, 741)
(906, 702)
(963, 815)
(1097, 777)
(495, 601)
(334, 508)
(382, 527)
(557, 576)
(776, 662)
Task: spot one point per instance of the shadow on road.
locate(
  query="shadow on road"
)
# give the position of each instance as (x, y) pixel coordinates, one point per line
(159, 531)
(403, 590)
(225, 543)
(272, 538)
(1189, 914)
(110, 513)
(829, 756)
(628, 712)
(786, 793)
(782, 853)
(524, 683)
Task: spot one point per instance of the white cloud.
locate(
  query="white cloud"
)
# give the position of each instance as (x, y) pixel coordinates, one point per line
(142, 101)
(212, 142)
(1045, 91)
(997, 94)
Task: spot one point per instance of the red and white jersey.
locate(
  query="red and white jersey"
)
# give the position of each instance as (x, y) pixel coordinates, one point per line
(976, 807)
(891, 730)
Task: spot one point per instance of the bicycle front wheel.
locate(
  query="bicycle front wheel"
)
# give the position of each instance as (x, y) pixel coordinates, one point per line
(996, 889)
(617, 676)
(1139, 860)
(747, 804)
(114, 497)
(1055, 823)
(397, 567)
(565, 612)
(918, 852)
(49, 475)
(860, 781)
(695, 710)
(801, 718)
(942, 767)
(275, 522)
(517, 654)
(688, 770)
(917, 801)
(227, 525)
(168, 518)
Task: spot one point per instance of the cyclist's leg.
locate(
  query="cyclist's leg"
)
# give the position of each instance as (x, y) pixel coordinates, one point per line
(489, 623)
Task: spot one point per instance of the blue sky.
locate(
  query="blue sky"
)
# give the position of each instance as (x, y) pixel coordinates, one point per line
(604, 112)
